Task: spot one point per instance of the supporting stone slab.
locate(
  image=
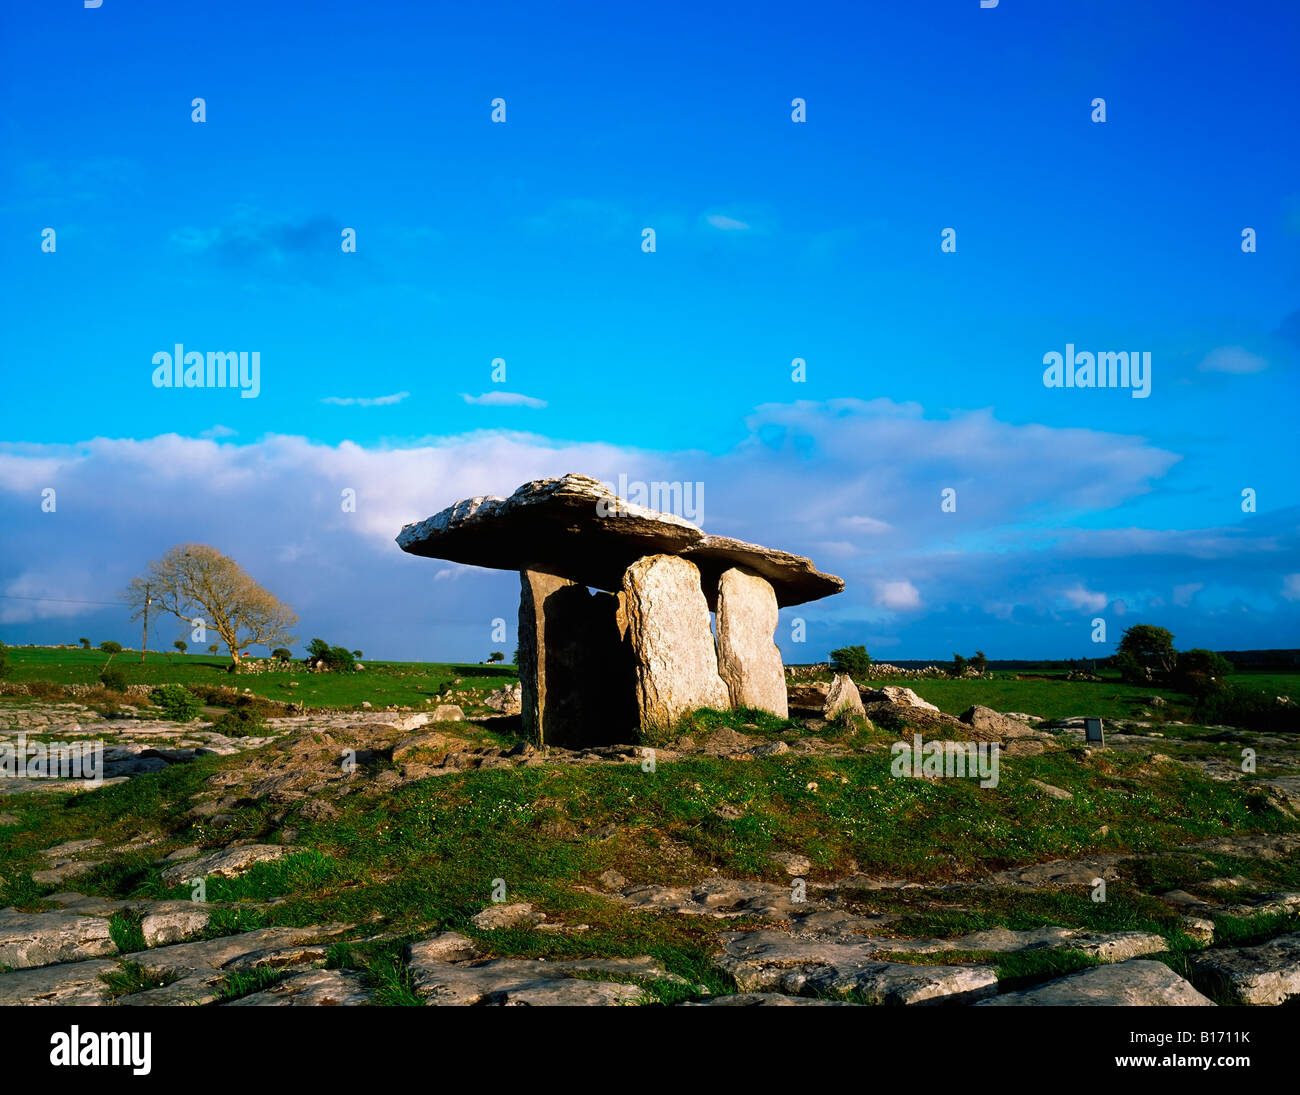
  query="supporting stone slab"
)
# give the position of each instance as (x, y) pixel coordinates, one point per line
(748, 660)
(575, 671)
(667, 618)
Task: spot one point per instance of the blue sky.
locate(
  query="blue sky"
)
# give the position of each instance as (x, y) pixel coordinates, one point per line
(775, 240)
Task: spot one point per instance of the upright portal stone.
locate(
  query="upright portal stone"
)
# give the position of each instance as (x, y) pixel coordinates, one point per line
(748, 660)
(668, 623)
(534, 588)
(575, 671)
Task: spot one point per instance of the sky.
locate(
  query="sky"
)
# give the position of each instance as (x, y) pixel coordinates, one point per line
(522, 241)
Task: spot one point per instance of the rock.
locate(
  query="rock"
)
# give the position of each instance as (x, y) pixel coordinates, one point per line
(1199, 928)
(407, 723)
(766, 961)
(196, 989)
(1003, 726)
(61, 870)
(1054, 792)
(1023, 747)
(668, 622)
(228, 863)
(577, 685)
(793, 864)
(190, 851)
(843, 695)
(518, 914)
(517, 981)
(71, 847)
(749, 662)
(574, 528)
(421, 743)
(1139, 982)
(312, 988)
(174, 921)
(9, 819)
(1268, 973)
(1105, 946)
(249, 950)
(448, 712)
(44, 939)
(771, 749)
(507, 700)
(612, 880)
(443, 947)
(72, 983)
(901, 697)
(763, 999)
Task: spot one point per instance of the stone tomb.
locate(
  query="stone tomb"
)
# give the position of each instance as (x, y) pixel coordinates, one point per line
(639, 651)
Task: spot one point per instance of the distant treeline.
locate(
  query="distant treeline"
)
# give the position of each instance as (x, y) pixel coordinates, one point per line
(1261, 660)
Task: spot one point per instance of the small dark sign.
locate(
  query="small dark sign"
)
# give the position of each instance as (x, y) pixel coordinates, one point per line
(1093, 732)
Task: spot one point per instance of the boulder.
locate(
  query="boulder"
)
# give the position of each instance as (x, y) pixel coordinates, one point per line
(748, 660)
(900, 697)
(56, 986)
(1140, 982)
(447, 712)
(1265, 974)
(507, 700)
(43, 939)
(574, 528)
(842, 696)
(312, 988)
(985, 718)
(668, 626)
(519, 914)
(228, 863)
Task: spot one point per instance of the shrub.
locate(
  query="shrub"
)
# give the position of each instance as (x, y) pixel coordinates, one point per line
(317, 649)
(177, 701)
(497, 656)
(357, 654)
(1201, 671)
(1152, 647)
(339, 657)
(4, 660)
(245, 719)
(853, 660)
(958, 666)
(282, 654)
(979, 663)
(181, 645)
(1233, 706)
(113, 679)
(85, 644)
(1131, 671)
(214, 648)
(110, 648)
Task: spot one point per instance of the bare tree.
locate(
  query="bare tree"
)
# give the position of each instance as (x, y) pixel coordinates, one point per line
(195, 581)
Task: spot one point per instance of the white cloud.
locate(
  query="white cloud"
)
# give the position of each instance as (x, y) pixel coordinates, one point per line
(503, 399)
(1183, 594)
(216, 433)
(898, 595)
(376, 401)
(818, 479)
(1084, 598)
(727, 224)
(1232, 359)
(867, 526)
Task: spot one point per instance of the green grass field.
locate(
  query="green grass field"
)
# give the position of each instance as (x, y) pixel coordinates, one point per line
(406, 684)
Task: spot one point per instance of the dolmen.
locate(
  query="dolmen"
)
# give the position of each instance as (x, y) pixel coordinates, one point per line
(614, 626)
